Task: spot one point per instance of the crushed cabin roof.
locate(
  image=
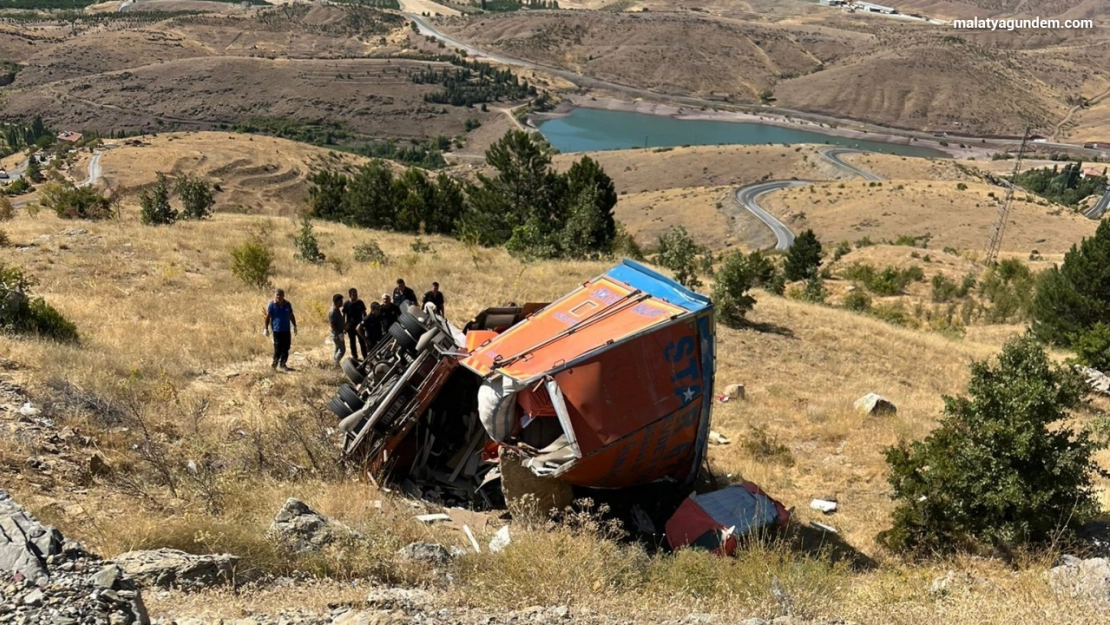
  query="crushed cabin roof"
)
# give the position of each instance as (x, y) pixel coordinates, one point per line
(627, 362)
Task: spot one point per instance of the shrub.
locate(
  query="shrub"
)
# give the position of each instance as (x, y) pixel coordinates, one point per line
(18, 187)
(70, 202)
(252, 261)
(5, 240)
(1071, 298)
(858, 301)
(841, 250)
(196, 197)
(1000, 471)
(814, 291)
(420, 246)
(960, 186)
(804, 258)
(7, 209)
(1092, 348)
(20, 313)
(738, 274)
(679, 253)
(370, 252)
(888, 281)
(308, 246)
(624, 244)
(155, 209)
(1009, 287)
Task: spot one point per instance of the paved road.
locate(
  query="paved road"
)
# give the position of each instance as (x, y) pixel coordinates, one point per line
(747, 196)
(833, 155)
(94, 169)
(1099, 209)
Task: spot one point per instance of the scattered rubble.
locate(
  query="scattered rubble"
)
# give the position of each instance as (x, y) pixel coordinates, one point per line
(170, 568)
(734, 391)
(717, 438)
(875, 405)
(46, 578)
(828, 506)
(302, 529)
(1088, 578)
(500, 540)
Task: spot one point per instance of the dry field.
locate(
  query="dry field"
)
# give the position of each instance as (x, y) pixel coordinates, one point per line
(955, 218)
(162, 319)
(217, 70)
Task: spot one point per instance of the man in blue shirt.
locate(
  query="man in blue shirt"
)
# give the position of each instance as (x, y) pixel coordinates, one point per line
(280, 319)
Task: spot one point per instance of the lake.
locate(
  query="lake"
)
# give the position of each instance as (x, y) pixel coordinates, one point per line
(588, 130)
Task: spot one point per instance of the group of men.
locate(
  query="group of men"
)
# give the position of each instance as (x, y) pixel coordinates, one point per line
(350, 321)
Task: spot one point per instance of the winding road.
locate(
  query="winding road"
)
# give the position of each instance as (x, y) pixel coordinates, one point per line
(833, 155)
(1099, 209)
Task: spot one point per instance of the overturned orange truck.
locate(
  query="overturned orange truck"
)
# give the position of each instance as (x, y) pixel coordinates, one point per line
(608, 387)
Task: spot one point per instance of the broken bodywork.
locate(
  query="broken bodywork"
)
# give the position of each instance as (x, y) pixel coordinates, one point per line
(608, 387)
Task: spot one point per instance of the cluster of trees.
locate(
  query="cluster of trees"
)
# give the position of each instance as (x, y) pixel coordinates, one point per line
(527, 206)
(20, 136)
(196, 195)
(316, 132)
(473, 82)
(1065, 186)
(427, 154)
(496, 6)
(1073, 298)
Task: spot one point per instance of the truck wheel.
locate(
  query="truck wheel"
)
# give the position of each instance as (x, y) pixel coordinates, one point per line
(404, 340)
(413, 325)
(339, 408)
(351, 369)
(350, 396)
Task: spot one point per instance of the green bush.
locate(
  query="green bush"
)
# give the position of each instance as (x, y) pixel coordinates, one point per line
(196, 197)
(252, 261)
(70, 202)
(738, 273)
(20, 313)
(841, 249)
(857, 301)
(1092, 348)
(888, 281)
(1001, 471)
(1009, 287)
(154, 204)
(7, 209)
(1071, 298)
(677, 251)
(370, 252)
(308, 246)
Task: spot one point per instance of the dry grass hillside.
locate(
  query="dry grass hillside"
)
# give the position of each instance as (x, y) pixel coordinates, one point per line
(891, 72)
(162, 71)
(955, 218)
(255, 174)
(165, 323)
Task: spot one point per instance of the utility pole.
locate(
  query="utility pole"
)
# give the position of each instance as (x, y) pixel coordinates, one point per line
(1004, 209)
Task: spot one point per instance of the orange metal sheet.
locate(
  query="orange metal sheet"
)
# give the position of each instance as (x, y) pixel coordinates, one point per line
(662, 449)
(630, 386)
(543, 342)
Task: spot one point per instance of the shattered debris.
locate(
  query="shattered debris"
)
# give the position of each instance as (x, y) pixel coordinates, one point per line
(823, 505)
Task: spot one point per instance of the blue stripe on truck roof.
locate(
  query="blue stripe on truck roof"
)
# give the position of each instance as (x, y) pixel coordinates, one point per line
(658, 286)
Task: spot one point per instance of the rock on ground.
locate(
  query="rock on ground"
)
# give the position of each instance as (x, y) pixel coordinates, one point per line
(168, 568)
(875, 405)
(45, 578)
(1082, 578)
(302, 529)
(425, 552)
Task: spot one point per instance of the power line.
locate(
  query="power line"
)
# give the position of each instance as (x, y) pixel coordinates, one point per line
(1004, 209)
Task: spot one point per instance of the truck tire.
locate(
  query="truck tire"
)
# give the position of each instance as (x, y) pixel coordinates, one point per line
(350, 396)
(339, 408)
(351, 369)
(413, 325)
(404, 340)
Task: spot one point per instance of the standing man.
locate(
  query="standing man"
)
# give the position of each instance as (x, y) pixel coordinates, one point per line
(280, 319)
(435, 297)
(402, 293)
(371, 327)
(390, 312)
(338, 326)
(353, 311)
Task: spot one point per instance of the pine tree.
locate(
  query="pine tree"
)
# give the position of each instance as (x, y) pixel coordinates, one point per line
(1071, 298)
(804, 258)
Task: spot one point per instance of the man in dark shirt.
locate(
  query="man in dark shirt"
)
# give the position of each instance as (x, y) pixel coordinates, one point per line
(338, 324)
(280, 319)
(353, 311)
(371, 327)
(403, 293)
(435, 296)
(390, 312)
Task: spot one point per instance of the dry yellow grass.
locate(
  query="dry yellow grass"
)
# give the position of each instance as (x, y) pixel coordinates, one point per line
(961, 219)
(161, 315)
(651, 214)
(255, 173)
